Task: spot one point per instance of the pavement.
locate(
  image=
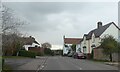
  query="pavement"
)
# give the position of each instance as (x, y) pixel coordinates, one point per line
(112, 63)
(57, 63)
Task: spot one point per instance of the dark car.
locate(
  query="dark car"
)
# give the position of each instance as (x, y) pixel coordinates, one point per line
(79, 55)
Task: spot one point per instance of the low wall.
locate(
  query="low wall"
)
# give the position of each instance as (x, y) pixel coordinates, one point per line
(99, 55)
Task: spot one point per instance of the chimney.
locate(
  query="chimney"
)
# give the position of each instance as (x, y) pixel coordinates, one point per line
(99, 24)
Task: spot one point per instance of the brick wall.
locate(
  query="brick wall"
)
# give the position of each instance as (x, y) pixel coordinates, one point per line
(99, 55)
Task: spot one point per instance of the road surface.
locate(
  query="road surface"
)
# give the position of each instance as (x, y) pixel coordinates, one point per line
(68, 63)
(58, 63)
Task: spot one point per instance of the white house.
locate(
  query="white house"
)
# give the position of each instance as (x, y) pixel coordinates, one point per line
(30, 42)
(31, 45)
(93, 38)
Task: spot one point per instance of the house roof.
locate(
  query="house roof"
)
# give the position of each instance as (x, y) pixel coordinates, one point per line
(99, 31)
(72, 40)
(36, 42)
(29, 40)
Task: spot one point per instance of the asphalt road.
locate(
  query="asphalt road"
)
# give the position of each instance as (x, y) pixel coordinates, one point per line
(68, 63)
(57, 63)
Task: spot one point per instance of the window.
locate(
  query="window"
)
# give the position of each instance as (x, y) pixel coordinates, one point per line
(84, 40)
(66, 45)
(84, 49)
(93, 39)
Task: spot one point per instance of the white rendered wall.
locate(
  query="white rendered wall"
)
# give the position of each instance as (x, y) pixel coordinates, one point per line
(111, 30)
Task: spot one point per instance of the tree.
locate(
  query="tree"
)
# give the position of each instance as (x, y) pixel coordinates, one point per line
(46, 45)
(118, 47)
(109, 45)
(48, 51)
(10, 34)
(10, 21)
(11, 44)
(73, 47)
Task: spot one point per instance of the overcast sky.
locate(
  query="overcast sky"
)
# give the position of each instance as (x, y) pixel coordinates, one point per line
(49, 21)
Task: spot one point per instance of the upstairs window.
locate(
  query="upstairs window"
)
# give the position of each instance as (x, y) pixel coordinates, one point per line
(93, 39)
(84, 40)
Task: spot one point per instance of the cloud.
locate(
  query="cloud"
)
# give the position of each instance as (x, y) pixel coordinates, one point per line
(49, 21)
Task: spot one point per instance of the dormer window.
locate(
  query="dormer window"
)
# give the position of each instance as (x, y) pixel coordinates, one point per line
(93, 38)
(84, 40)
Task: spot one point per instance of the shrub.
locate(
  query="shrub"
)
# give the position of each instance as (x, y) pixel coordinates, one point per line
(3, 61)
(40, 54)
(48, 51)
(27, 53)
(92, 54)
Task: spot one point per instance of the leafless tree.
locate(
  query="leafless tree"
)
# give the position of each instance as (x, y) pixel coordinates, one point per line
(46, 45)
(10, 21)
(11, 42)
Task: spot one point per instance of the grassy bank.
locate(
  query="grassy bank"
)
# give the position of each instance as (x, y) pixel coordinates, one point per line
(15, 57)
(7, 68)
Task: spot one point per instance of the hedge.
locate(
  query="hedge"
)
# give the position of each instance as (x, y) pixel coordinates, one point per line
(27, 53)
(40, 54)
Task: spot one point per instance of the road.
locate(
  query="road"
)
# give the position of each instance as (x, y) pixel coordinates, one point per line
(58, 63)
(68, 63)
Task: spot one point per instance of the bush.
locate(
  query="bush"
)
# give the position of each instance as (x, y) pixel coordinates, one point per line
(40, 54)
(27, 53)
(92, 54)
(3, 61)
(48, 52)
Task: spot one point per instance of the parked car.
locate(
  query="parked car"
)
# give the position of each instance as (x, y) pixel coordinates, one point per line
(79, 55)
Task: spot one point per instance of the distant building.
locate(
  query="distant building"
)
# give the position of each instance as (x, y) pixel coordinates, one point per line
(30, 42)
(68, 43)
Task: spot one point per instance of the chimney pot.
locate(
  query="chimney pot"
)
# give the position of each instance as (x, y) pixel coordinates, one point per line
(99, 24)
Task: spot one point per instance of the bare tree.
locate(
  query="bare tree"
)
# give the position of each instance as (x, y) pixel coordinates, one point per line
(10, 21)
(46, 45)
(11, 42)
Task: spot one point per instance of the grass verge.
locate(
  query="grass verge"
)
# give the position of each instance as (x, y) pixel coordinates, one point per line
(15, 57)
(7, 68)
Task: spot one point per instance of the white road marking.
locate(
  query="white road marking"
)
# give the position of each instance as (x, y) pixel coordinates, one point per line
(80, 68)
(42, 66)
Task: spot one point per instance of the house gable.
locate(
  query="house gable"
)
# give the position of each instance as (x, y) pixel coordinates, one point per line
(93, 38)
(111, 30)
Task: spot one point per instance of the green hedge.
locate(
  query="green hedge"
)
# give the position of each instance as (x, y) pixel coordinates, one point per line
(3, 61)
(40, 54)
(27, 53)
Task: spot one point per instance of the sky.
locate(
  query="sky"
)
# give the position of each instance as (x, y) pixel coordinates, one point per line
(50, 21)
